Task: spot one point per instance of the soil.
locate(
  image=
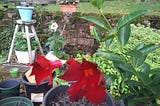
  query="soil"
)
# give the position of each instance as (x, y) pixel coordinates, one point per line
(63, 100)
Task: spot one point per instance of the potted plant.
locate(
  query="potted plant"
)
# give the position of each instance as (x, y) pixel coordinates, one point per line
(38, 79)
(21, 49)
(139, 84)
(25, 11)
(69, 6)
(86, 80)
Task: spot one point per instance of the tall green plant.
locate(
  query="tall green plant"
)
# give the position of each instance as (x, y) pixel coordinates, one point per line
(142, 82)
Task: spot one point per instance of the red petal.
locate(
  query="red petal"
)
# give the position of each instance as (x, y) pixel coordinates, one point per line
(42, 61)
(43, 68)
(77, 90)
(87, 64)
(73, 73)
(95, 88)
(56, 63)
(96, 94)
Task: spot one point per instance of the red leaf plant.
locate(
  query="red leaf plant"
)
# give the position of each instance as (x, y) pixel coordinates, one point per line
(43, 68)
(89, 81)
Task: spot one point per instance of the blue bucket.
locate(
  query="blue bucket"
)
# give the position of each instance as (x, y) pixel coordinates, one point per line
(25, 13)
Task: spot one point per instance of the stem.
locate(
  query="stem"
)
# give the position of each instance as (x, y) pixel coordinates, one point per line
(109, 25)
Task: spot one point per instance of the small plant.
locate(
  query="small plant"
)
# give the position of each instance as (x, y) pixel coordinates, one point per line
(20, 43)
(55, 42)
(5, 39)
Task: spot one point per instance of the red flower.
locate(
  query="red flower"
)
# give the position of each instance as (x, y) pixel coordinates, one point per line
(43, 68)
(89, 81)
(91, 25)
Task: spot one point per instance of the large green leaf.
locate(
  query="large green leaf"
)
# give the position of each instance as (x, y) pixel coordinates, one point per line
(125, 67)
(98, 3)
(149, 48)
(124, 70)
(111, 56)
(139, 54)
(97, 21)
(134, 53)
(129, 18)
(124, 34)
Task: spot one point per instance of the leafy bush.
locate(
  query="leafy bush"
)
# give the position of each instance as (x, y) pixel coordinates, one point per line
(5, 39)
(139, 83)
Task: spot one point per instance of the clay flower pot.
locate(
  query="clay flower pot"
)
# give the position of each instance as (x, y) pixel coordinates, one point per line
(70, 8)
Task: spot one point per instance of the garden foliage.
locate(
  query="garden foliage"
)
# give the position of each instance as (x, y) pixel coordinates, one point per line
(138, 80)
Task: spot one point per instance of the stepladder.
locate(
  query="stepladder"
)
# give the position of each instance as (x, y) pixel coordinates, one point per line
(27, 32)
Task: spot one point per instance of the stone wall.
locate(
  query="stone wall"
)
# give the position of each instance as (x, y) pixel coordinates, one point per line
(76, 32)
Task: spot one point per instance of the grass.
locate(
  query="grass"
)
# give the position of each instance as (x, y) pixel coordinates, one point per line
(116, 7)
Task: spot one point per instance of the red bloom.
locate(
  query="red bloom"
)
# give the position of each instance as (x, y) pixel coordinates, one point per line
(43, 68)
(89, 81)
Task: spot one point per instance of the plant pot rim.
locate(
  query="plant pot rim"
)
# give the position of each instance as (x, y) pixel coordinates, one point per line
(66, 86)
(11, 79)
(22, 7)
(17, 99)
(29, 83)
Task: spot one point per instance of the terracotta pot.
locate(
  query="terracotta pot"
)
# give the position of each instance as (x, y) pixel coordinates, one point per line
(68, 8)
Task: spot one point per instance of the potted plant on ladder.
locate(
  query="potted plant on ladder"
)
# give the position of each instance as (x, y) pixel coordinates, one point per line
(25, 11)
(21, 49)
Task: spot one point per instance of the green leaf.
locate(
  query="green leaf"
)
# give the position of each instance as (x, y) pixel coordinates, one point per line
(109, 40)
(138, 61)
(129, 18)
(144, 78)
(125, 71)
(145, 69)
(111, 56)
(133, 83)
(149, 48)
(141, 45)
(155, 71)
(155, 76)
(110, 79)
(134, 53)
(97, 21)
(98, 3)
(124, 66)
(139, 54)
(124, 34)
(96, 34)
